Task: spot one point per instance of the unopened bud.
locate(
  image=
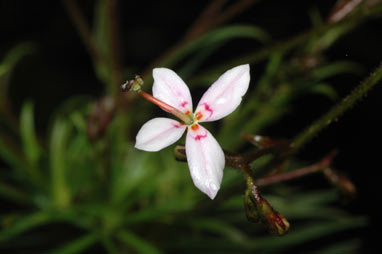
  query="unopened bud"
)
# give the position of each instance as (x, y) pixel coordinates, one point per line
(264, 142)
(250, 208)
(259, 208)
(275, 222)
(180, 153)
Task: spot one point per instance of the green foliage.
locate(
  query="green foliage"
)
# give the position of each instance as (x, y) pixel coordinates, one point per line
(129, 201)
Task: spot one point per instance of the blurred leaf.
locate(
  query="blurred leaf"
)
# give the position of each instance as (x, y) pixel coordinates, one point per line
(287, 45)
(214, 39)
(6, 66)
(102, 38)
(348, 247)
(315, 17)
(12, 155)
(137, 243)
(24, 224)
(336, 68)
(324, 89)
(129, 173)
(307, 232)
(220, 227)
(305, 205)
(11, 193)
(31, 146)
(158, 212)
(323, 41)
(58, 163)
(78, 245)
(21, 169)
(109, 245)
(100, 30)
(79, 121)
(197, 59)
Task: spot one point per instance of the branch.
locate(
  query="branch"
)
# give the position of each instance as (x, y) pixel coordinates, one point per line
(115, 45)
(297, 173)
(83, 29)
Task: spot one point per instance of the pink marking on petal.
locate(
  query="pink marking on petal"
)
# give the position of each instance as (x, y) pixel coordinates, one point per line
(199, 137)
(208, 108)
(198, 132)
(199, 115)
(184, 104)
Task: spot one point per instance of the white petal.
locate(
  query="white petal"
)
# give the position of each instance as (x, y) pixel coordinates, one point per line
(170, 88)
(224, 95)
(205, 159)
(159, 133)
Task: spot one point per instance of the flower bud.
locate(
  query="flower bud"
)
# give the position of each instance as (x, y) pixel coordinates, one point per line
(257, 208)
(275, 222)
(262, 142)
(250, 208)
(180, 153)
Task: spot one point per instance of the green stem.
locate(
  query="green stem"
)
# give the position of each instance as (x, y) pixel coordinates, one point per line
(24, 224)
(338, 110)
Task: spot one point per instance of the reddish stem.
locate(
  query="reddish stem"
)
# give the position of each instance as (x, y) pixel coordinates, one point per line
(166, 107)
(157, 102)
(319, 166)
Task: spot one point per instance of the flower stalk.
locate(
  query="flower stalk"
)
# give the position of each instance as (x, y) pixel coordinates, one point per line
(259, 209)
(136, 86)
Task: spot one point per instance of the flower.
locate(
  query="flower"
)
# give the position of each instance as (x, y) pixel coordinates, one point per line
(205, 157)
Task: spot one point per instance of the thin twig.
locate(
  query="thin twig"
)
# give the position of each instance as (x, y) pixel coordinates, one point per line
(83, 29)
(203, 21)
(319, 166)
(115, 43)
(234, 10)
(342, 9)
(239, 162)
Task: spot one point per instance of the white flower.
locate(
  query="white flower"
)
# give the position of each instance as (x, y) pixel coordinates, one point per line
(205, 157)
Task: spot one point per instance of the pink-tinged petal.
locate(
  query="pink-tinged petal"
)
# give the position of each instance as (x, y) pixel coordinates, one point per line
(205, 159)
(159, 133)
(170, 88)
(224, 95)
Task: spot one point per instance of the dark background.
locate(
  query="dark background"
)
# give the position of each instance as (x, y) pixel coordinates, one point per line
(60, 67)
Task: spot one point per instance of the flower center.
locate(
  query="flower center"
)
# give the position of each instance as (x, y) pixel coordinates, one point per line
(195, 127)
(198, 116)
